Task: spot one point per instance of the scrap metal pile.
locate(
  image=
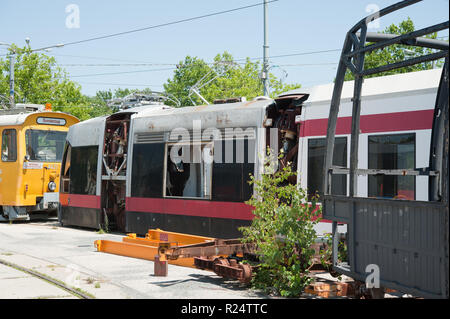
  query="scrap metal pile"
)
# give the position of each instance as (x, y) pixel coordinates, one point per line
(225, 257)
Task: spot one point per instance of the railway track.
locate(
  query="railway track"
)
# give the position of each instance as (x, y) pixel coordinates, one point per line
(75, 292)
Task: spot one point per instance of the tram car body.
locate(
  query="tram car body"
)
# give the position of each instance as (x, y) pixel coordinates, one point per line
(32, 148)
(138, 187)
(395, 133)
(120, 170)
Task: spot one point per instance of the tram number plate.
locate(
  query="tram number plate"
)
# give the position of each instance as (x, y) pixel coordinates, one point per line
(51, 121)
(51, 197)
(31, 165)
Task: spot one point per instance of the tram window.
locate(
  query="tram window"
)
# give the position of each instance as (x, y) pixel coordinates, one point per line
(83, 170)
(45, 146)
(147, 170)
(189, 170)
(9, 145)
(65, 178)
(316, 157)
(232, 169)
(66, 161)
(395, 151)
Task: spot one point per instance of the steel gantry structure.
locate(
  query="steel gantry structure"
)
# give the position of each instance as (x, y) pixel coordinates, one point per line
(407, 240)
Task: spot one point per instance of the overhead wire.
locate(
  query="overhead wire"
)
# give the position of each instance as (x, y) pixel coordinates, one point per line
(115, 64)
(155, 63)
(124, 72)
(99, 58)
(120, 84)
(177, 65)
(169, 64)
(170, 69)
(162, 64)
(157, 26)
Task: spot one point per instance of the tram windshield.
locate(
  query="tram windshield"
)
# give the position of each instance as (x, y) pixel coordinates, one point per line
(45, 146)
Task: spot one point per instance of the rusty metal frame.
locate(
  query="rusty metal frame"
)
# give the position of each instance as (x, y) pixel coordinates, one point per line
(343, 208)
(212, 248)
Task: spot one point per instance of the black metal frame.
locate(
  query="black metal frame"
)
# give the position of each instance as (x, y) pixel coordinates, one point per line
(352, 58)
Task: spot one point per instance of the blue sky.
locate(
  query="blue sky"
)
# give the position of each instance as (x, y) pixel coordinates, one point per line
(295, 26)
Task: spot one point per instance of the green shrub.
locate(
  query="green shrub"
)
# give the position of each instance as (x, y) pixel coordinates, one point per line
(326, 254)
(283, 231)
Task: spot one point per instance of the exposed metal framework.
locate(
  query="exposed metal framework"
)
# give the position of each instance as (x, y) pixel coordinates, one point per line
(141, 99)
(209, 77)
(359, 212)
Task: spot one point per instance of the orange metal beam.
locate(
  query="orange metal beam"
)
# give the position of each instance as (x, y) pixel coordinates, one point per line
(147, 248)
(146, 252)
(181, 239)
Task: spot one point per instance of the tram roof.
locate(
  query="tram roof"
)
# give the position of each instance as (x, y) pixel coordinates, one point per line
(86, 132)
(239, 114)
(8, 119)
(13, 119)
(257, 103)
(383, 85)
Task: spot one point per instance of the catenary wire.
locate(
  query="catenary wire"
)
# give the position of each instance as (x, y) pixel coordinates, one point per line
(158, 25)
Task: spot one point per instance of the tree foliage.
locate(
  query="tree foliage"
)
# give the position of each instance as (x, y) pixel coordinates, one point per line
(39, 80)
(397, 53)
(224, 79)
(283, 231)
(98, 105)
(85, 112)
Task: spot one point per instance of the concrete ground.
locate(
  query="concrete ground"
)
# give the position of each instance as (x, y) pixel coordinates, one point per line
(19, 285)
(68, 255)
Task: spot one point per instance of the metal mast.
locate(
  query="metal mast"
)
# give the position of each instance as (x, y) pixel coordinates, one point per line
(264, 74)
(11, 80)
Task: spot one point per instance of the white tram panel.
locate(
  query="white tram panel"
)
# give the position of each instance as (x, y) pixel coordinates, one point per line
(400, 93)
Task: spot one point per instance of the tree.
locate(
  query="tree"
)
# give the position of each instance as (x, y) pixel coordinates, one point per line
(85, 112)
(188, 72)
(224, 79)
(95, 106)
(39, 80)
(396, 53)
(103, 96)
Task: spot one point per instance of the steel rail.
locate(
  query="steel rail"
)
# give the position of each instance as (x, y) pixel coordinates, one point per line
(61, 285)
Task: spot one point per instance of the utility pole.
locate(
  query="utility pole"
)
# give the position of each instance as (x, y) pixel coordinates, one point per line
(12, 60)
(264, 75)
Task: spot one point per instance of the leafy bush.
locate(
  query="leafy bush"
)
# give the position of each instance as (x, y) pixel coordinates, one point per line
(283, 231)
(326, 254)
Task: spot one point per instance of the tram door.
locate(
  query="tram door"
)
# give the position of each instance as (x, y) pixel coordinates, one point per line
(115, 147)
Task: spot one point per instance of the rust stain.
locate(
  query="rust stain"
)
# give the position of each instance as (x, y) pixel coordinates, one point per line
(223, 119)
(246, 104)
(199, 108)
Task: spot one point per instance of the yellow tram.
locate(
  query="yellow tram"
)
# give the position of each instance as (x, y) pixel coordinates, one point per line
(32, 144)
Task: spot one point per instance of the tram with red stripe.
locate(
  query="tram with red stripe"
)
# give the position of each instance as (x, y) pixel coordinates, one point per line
(187, 169)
